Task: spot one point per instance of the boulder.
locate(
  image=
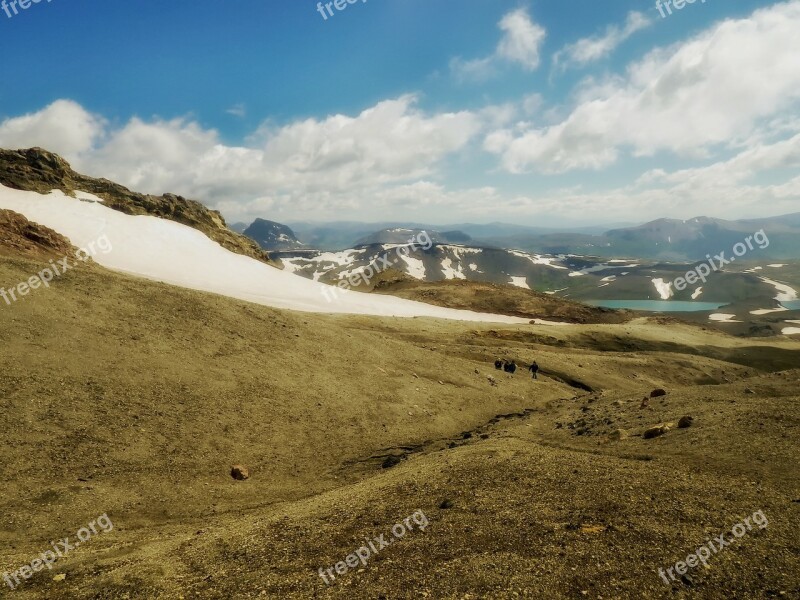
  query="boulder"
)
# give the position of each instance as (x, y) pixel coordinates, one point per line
(655, 431)
(658, 393)
(685, 422)
(240, 472)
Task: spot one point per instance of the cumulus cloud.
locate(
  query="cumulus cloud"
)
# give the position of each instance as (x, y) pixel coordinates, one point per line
(64, 127)
(522, 39)
(520, 44)
(336, 162)
(592, 49)
(686, 99)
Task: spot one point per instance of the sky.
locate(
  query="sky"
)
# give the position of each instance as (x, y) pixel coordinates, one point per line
(544, 112)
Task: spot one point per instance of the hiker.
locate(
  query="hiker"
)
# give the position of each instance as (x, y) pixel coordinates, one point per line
(534, 368)
(510, 367)
(498, 364)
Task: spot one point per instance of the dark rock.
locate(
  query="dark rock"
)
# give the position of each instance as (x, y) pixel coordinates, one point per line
(240, 472)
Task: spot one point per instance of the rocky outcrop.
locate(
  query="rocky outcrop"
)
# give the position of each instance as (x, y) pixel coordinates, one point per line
(38, 170)
(21, 237)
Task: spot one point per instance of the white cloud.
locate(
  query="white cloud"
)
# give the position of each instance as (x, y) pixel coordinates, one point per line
(520, 44)
(522, 40)
(686, 99)
(339, 162)
(63, 126)
(591, 49)
(237, 110)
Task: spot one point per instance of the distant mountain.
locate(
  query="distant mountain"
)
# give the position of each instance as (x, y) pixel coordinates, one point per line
(401, 235)
(270, 235)
(693, 239)
(239, 227)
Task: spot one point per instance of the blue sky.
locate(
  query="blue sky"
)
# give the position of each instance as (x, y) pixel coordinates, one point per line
(416, 110)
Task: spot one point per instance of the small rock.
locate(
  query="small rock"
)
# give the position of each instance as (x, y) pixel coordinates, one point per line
(60, 577)
(658, 393)
(685, 422)
(240, 472)
(655, 431)
(492, 380)
(446, 504)
(645, 402)
(617, 403)
(618, 434)
(748, 391)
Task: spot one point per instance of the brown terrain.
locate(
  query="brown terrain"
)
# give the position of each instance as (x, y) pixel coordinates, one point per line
(134, 399)
(495, 299)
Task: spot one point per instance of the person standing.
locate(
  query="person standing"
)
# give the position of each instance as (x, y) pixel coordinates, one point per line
(534, 369)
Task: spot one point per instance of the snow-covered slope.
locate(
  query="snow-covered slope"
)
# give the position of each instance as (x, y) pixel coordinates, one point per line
(167, 251)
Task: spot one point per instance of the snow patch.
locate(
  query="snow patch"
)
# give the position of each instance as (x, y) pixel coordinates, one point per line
(723, 318)
(785, 293)
(163, 250)
(664, 288)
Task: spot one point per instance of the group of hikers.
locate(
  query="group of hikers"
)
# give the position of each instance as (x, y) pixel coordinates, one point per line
(511, 367)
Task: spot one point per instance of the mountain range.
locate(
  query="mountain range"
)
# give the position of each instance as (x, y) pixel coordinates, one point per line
(662, 239)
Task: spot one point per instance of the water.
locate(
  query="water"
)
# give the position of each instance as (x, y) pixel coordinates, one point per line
(792, 305)
(658, 305)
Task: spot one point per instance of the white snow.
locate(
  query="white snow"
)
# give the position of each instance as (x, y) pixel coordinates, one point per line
(557, 291)
(776, 266)
(600, 267)
(537, 259)
(664, 288)
(785, 293)
(520, 282)
(610, 278)
(414, 267)
(766, 311)
(791, 331)
(723, 318)
(449, 270)
(697, 293)
(167, 251)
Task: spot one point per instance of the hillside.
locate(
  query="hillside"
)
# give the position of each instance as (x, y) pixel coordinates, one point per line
(499, 299)
(159, 390)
